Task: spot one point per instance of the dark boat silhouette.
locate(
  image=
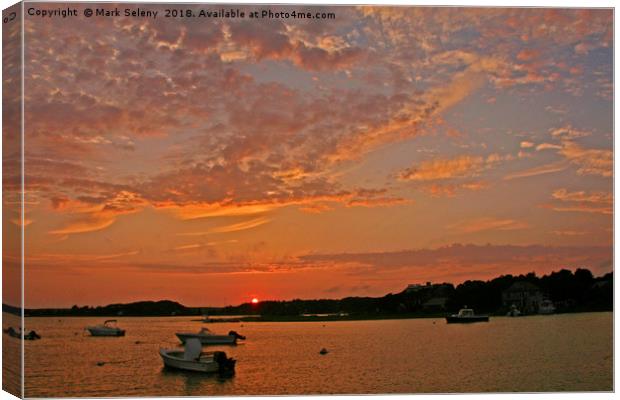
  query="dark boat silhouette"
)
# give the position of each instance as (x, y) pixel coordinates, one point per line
(466, 315)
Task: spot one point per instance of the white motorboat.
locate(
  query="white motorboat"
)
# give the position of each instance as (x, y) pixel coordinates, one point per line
(108, 328)
(205, 336)
(192, 358)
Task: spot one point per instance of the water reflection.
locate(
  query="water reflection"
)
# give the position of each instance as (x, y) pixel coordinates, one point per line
(192, 382)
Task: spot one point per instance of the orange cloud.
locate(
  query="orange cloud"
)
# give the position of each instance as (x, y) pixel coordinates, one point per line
(588, 161)
(79, 258)
(539, 170)
(526, 144)
(582, 196)
(458, 262)
(450, 190)
(547, 146)
(569, 232)
(488, 224)
(568, 132)
(241, 226)
(90, 223)
(316, 208)
(581, 201)
(89, 215)
(273, 40)
(459, 167)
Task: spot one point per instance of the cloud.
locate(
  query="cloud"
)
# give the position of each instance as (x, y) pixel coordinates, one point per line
(341, 90)
(548, 146)
(88, 223)
(539, 170)
(377, 202)
(451, 189)
(458, 262)
(568, 232)
(454, 263)
(581, 201)
(240, 226)
(316, 208)
(89, 214)
(80, 257)
(487, 224)
(460, 167)
(272, 40)
(568, 132)
(526, 144)
(582, 196)
(556, 110)
(588, 161)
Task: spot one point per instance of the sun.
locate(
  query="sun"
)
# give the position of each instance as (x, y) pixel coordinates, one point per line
(254, 300)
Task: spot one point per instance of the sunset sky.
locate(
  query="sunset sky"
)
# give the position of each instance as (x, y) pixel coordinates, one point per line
(211, 161)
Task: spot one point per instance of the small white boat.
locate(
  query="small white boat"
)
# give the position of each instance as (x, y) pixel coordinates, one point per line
(205, 336)
(108, 328)
(192, 358)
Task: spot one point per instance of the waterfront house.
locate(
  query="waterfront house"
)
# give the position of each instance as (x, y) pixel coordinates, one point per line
(524, 295)
(435, 304)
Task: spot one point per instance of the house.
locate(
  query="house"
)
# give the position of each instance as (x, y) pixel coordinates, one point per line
(414, 287)
(524, 295)
(435, 304)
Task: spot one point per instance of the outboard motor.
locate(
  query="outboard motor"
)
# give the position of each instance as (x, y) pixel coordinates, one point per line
(237, 335)
(226, 364)
(32, 335)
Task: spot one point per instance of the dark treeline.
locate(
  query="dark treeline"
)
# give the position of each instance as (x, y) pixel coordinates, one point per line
(569, 291)
(140, 308)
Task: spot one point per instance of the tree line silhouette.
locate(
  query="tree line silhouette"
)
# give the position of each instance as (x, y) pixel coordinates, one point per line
(570, 292)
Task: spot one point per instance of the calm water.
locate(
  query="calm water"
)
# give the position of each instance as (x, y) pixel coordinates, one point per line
(11, 357)
(540, 353)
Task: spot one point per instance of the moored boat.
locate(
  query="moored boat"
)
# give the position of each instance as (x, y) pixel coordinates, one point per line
(32, 335)
(205, 336)
(107, 329)
(192, 358)
(466, 315)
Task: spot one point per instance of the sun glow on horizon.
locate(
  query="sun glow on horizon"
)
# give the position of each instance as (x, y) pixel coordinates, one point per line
(254, 300)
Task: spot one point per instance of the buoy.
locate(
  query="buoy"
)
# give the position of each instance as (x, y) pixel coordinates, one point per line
(100, 363)
(323, 351)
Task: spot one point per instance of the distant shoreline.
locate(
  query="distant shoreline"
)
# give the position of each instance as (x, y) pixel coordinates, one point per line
(265, 319)
(563, 291)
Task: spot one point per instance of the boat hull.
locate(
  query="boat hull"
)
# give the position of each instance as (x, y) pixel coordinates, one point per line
(208, 339)
(95, 331)
(453, 319)
(174, 359)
